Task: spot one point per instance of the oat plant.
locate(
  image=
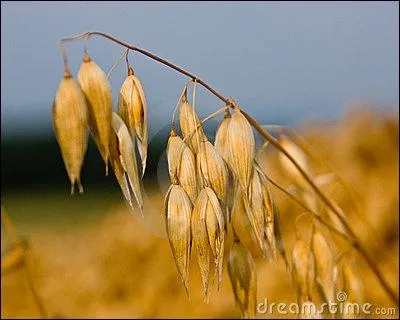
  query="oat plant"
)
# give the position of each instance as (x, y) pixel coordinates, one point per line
(218, 190)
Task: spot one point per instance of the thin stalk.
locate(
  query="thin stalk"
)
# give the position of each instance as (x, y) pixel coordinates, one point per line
(266, 136)
(116, 63)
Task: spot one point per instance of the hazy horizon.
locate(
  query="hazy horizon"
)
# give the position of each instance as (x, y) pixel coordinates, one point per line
(281, 61)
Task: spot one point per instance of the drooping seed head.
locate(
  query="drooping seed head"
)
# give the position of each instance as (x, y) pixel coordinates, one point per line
(221, 137)
(212, 170)
(261, 213)
(97, 90)
(302, 269)
(119, 172)
(178, 212)
(324, 265)
(132, 107)
(215, 223)
(242, 273)
(127, 157)
(241, 148)
(352, 283)
(200, 238)
(70, 119)
(240, 220)
(190, 125)
(182, 165)
(269, 210)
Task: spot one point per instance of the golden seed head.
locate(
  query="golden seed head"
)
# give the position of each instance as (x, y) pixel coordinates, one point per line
(200, 238)
(261, 214)
(221, 137)
(240, 219)
(182, 165)
(215, 223)
(242, 273)
(70, 119)
(127, 156)
(302, 269)
(324, 264)
(178, 221)
(241, 148)
(190, 125)
(97, 90)
(208, 229)
(212, 170)
(132, 107)
(352, 283)
(118, 170)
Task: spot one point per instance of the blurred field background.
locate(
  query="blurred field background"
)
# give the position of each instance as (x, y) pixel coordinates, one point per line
(94, 258)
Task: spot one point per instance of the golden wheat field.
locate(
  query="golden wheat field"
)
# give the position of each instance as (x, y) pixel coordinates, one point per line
(93, 258)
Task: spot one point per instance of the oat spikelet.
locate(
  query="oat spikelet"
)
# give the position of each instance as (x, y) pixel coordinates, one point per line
(302, 270)
(127, 156)
(132, 107)
(353, 284)
(178, 214)
(262, 217)
(215, 224)
(119, 172)
(212, 170)
(70, 121)
(97, 90)
(182, 165)
(324, 265)
(241, 148)
(269, 210)
(242, 273)
(200, 238)
(221, 137)
(189, 123)
(240, 221)
(353, 287)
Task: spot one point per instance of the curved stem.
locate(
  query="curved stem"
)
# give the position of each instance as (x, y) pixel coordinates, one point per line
(154, 57)
(116, 63)
(266, 136)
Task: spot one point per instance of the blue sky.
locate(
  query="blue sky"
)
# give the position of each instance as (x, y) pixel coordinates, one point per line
(292, 61)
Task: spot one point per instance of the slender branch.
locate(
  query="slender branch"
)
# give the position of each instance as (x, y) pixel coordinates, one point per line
(266, 136)
(117, 62)
(152, 56)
